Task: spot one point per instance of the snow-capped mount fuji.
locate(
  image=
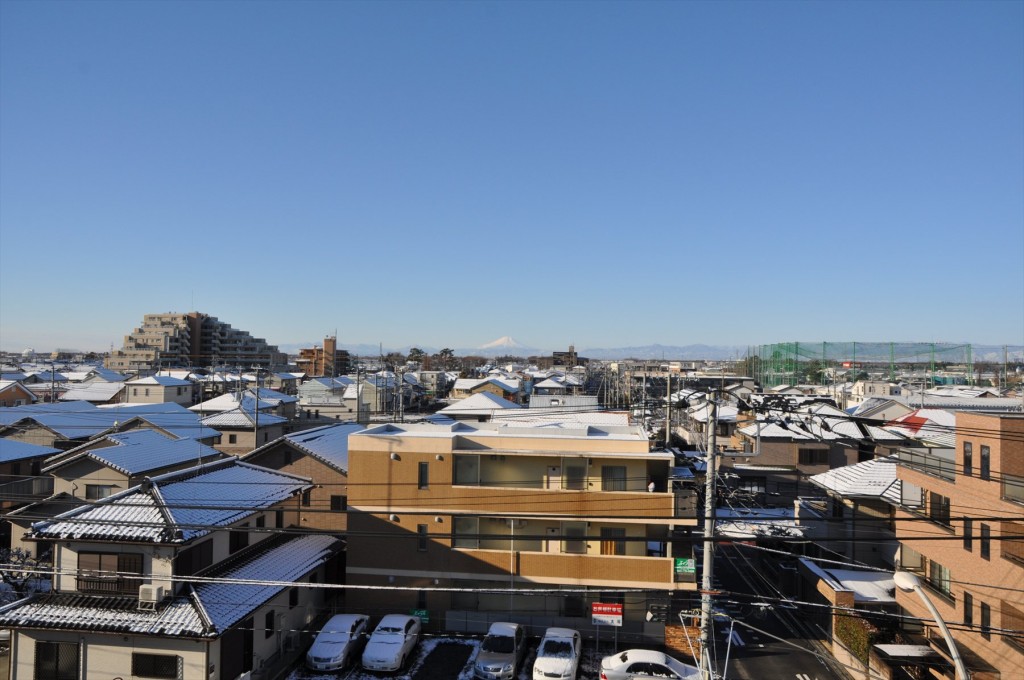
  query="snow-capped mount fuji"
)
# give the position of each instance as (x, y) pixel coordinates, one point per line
(503, 345)
(504, 342)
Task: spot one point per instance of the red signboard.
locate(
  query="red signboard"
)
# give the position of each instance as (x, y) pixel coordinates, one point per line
(606, 614)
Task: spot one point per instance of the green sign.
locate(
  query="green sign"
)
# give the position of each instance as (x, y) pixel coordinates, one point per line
(423, 614)
(685, 565)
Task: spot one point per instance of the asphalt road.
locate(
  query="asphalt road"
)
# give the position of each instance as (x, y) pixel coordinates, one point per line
(755, 655)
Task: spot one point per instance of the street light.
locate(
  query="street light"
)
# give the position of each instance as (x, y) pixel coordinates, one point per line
(909, 582)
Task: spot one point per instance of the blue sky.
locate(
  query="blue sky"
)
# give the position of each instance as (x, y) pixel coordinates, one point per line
(441, 174)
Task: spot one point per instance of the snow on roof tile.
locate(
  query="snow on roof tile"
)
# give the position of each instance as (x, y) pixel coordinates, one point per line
(480, 403)
(328, 444)
(97, 391)
(162, 380)
(178, 506)
(241, 418)
(139, 451)
(874, 478)
(179, 617)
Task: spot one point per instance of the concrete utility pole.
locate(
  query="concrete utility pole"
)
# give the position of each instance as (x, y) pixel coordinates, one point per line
(707, 580)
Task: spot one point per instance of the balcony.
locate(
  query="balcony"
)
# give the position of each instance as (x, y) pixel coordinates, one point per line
(490, 499)
(108, 585)
(1013, 488)
(26, 490)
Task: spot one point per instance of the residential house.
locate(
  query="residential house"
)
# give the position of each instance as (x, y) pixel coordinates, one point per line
(245, 428)
(480, 407)
(169, 580)
(321, 455)
(447, 512)
(159, 389)
(21, 481)
(13, 393)
(98, 393)
(506, 388)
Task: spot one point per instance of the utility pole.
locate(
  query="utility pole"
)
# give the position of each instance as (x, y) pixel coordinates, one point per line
(668, 411)
(707, 581)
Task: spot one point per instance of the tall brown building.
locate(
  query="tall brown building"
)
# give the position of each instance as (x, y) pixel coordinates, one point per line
(327, 361)
(961, 529)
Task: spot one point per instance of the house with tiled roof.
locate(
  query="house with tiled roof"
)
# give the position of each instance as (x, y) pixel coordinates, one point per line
(21, 480)
(506, 388)
(479, 407)
(99, 392)
(13, 393)
(159, 389)
(321, 454)
(243, 429)
(196, 574)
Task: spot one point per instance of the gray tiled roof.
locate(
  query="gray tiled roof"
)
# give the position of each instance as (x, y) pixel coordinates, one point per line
(139, 451)
(177, 507)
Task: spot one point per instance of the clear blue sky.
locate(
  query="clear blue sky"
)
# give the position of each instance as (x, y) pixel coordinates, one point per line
(442, 174)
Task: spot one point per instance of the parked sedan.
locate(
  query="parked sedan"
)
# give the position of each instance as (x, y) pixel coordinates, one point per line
(558, 655)
(501, 652)
(391, 643)
(338, 642)
(644, 663)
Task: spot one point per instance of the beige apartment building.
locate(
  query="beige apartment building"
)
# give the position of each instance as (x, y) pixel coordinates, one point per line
(961, 529)
(469, 522)
(191, 339)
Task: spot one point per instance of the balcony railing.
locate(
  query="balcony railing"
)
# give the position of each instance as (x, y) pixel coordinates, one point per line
(26, 490)
(109, 585)
(930, 462)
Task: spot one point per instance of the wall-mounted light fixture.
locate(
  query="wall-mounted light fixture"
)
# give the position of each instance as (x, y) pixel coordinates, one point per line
(439, 457)
(439, 519)
(393, 518)
(395, 456)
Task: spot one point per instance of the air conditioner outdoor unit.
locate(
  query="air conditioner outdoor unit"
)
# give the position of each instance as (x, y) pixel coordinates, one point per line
(150, 595)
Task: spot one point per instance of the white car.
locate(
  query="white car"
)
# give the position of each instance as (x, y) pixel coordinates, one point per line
(391, 643)
(644, 663)
(558, 655)
(338, 642)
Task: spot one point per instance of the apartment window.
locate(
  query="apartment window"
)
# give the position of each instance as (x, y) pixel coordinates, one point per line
(261, 522)
(94, 492)
(938, 578)
(938, 508)
(466, 470)
(56, 661)
(147, 392)
(135, 391)
(239, 538)
(968, 609)
(613, 477)
(268, 623)
(306, 498)
(575, 537)
(986, 620)
(986, 542)
(968, 459)
(575, 476)
(154, 665)
(1012, 618)
(193, 560)
(339, 503)
(109, 573)
(467, 532)
(968, 534)
(423, 480)
(232, 439)
(813, 456)
(983, 469)
(421, 537)
(1012, 540)
(279, 519)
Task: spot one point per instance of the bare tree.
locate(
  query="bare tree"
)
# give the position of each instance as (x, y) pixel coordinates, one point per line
(22, 572)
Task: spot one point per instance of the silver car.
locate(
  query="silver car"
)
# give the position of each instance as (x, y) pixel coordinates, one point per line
(392, 643)
(338, 642)
(501, 652)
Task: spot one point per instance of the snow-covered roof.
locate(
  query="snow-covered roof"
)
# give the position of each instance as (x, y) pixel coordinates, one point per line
(94, 391)
(875, 478)
(328, 444)
(481, 403)
(932, 426)
(775, 430)
(177, 507)
(161, 380)
(701, 413)
(243, 418)
(876, 587)
(139, 451)
(231, 401)
(207, 610)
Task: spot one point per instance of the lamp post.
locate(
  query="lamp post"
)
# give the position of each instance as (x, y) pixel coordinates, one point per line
(909, 582)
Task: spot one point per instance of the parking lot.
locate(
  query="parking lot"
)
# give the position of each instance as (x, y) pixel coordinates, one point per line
(450, 658)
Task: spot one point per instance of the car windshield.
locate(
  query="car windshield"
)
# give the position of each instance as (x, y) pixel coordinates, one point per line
(556, 648)
(498, 644)
(389, 631)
